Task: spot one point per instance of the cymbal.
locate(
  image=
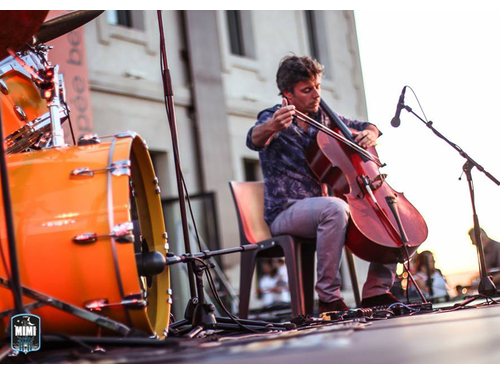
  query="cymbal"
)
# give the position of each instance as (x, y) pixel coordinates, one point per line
(17, 27)
(61, 25)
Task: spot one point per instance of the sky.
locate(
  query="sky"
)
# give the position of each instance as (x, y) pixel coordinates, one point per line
(451, 59)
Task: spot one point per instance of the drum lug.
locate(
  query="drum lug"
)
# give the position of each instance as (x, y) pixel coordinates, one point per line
(82, 172)
(170, 294)
(3, 88)
(122, 233)
(118, 168)
(133, 301)
(21, 115)
(89, 139)
(85, 238)
(156, 183)
(127, 134)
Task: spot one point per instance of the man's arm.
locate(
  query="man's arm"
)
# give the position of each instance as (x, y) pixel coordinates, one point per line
(282, 119)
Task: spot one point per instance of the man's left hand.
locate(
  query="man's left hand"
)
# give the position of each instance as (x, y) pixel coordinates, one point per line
(366, 138)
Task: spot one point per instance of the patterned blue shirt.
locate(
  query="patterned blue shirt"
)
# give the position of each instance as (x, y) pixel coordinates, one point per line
(287, 175)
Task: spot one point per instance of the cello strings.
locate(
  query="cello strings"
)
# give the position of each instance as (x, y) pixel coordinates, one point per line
(303, 117)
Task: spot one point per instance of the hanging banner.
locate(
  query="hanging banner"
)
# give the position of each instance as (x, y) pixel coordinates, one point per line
(69, 54)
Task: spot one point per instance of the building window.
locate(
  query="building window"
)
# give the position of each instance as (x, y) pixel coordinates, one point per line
(252, 170)
(240, 33)
(316, 35)
(235, 32)
(132, 19)
(312, 34)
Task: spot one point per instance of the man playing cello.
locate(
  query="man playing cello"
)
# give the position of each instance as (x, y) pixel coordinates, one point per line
(295, 202)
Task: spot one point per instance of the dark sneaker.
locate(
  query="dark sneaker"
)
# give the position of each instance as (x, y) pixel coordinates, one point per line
(337, 305)
(380, 300)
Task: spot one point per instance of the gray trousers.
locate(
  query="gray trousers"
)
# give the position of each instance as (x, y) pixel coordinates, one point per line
(326, 219)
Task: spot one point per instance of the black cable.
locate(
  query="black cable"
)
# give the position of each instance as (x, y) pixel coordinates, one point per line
(70, 124)
(418, 101)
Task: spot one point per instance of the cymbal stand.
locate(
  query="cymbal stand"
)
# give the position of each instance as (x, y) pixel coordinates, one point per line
(486, 285)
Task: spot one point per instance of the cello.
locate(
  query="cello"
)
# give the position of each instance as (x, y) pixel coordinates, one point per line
(384, 227)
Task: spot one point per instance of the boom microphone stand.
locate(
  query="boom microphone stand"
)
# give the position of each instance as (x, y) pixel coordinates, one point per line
(169, 103)
(486, 285)
(198, 314)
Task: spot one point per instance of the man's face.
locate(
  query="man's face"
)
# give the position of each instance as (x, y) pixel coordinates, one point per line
(306, 95)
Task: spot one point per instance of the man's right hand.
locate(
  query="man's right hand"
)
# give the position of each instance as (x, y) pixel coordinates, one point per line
(283, 117)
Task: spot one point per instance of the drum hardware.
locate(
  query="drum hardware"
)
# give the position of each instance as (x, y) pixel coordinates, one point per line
(156, 183)
(31, 73)
(118, 168)
(130, 302)
(122, 233)
(48, 80)
(125, 134)
(100, 320)
(89, 139)
(35, 82)
(29, 135)
(27, 306)
(150, 263)
(3, 88)
(53, 96)
(170, 294)
(21, 115)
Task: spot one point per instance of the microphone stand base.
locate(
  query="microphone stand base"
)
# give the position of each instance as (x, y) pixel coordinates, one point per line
(487, 287)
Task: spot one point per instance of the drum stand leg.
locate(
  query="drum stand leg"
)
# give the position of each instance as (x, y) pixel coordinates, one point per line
(5, 351)
(99, 320)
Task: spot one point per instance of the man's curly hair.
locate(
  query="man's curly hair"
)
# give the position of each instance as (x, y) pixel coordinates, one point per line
(294, 69)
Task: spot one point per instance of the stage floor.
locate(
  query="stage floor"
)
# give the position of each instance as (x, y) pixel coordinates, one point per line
(469, 335)
(463, 336)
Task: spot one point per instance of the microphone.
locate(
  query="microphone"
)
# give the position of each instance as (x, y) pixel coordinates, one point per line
(395, 122)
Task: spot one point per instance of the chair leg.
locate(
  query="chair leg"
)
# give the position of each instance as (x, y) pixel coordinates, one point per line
(308, 272)
(247, 268)
(354, 278)
(289, 246)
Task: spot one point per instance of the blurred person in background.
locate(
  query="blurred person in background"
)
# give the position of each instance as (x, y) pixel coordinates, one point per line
(430, 279)
(491, 250)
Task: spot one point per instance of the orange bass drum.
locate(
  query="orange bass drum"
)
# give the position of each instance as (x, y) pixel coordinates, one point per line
(81, 215)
